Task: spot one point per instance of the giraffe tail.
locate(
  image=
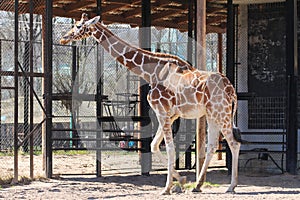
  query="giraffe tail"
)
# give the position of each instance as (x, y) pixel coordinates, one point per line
(234, 108)
(235, 130)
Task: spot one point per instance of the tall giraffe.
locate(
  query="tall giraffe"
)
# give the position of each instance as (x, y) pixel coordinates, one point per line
(176, 90)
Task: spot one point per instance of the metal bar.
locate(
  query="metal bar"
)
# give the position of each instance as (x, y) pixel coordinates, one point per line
(12, 73)
(220, 52)
(7, 88)
(292, 94)
(98, 149)
(145, 43)
(96, 130)
(31, 93)
(48, 85)
(230, 63)
(190, 32)
(31, 133)
(99, 95)
(31, 86)
(26, 95)
(188, 154)
(220, 69)
(263, 133)
(0, 94)
(16, 103)
(127, 118)
(96, 139)
(83, 97)
(230, 42)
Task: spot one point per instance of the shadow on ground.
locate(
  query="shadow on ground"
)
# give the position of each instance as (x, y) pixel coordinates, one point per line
(219, 177)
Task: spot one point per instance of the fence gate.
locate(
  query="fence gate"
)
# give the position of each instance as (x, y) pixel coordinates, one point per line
(262, 86)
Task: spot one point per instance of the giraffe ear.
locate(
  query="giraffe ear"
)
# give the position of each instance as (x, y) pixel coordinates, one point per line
(92, 21)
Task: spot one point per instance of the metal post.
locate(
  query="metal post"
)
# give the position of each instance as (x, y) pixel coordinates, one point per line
(188, 153)
(145, 41)
(26, 95)
(220, 69)
(16, 172)
(74, 91)
(48, 85)
(230, 42)
(99, 100)
(292, 76)
(0, 94)
(31, 111)
(230, 63)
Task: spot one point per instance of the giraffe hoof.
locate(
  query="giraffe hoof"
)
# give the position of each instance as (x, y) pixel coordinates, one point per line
(177, 189)
(165, 192)
(196, 190)
(230, 191)
(182, 180)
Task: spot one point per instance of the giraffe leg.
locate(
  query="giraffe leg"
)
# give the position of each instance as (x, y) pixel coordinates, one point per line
(235, 149)
(171, 161)
(165, 123)
(212, 143)
(155, 150)
(157, 140)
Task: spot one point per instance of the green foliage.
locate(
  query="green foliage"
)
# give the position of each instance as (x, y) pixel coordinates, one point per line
(192, 185)
(71, 152)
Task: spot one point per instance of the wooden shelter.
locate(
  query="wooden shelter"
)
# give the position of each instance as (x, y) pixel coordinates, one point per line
(164, 13)
(178, 14)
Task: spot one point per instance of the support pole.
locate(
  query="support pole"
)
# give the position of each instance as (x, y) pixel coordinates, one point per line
(230, 63)
(16, 101)
(220, 69)
(201, 64)
(47, 65)
(188, 152)
(145, 43)
(99, 99)
(31, 110)
(292, 76)
(0, 95)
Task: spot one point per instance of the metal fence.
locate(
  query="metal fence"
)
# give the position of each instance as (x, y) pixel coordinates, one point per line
(75, 78)
(262, 87)
(78, 69)
(21, 90)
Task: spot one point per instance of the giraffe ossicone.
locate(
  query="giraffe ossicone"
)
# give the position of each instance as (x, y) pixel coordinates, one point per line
(177, 89)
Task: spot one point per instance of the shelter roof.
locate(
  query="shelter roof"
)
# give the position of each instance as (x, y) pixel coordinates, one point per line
(165, 13)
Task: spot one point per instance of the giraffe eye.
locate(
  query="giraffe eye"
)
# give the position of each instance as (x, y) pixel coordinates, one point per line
(78, 26)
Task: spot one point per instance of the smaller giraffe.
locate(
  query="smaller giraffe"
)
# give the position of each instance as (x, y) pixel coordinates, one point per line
(177, 89)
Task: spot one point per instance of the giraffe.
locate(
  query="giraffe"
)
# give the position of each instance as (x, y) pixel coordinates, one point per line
(177, 89)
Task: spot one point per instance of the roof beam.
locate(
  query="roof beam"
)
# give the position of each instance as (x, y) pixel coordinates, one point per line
(79, 5)
(163, 14)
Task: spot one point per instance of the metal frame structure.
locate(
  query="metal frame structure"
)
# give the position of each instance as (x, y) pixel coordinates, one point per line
(27, 72)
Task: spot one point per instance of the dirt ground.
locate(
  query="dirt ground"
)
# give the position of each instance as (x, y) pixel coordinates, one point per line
(133, 186)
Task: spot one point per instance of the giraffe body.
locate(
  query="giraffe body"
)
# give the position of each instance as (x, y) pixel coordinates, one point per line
(176, 90)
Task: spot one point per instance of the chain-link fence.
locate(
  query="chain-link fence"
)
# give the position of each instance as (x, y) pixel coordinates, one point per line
(262, 85)
(80, 67)
(21, 99)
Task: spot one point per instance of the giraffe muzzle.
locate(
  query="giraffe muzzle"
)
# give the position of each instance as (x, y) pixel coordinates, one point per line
(64, 41)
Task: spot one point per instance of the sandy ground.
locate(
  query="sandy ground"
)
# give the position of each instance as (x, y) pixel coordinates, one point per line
(148, 187)
(132, 186)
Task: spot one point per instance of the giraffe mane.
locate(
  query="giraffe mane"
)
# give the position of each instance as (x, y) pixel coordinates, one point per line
(184, 65)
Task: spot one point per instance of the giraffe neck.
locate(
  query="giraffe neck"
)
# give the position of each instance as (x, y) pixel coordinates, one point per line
(146, 64)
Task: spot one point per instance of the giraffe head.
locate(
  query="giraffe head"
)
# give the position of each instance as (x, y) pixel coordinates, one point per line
(81, 29)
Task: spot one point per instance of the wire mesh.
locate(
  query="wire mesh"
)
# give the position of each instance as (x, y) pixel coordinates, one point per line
(29, 51)
(261, 78)
(78, 118)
